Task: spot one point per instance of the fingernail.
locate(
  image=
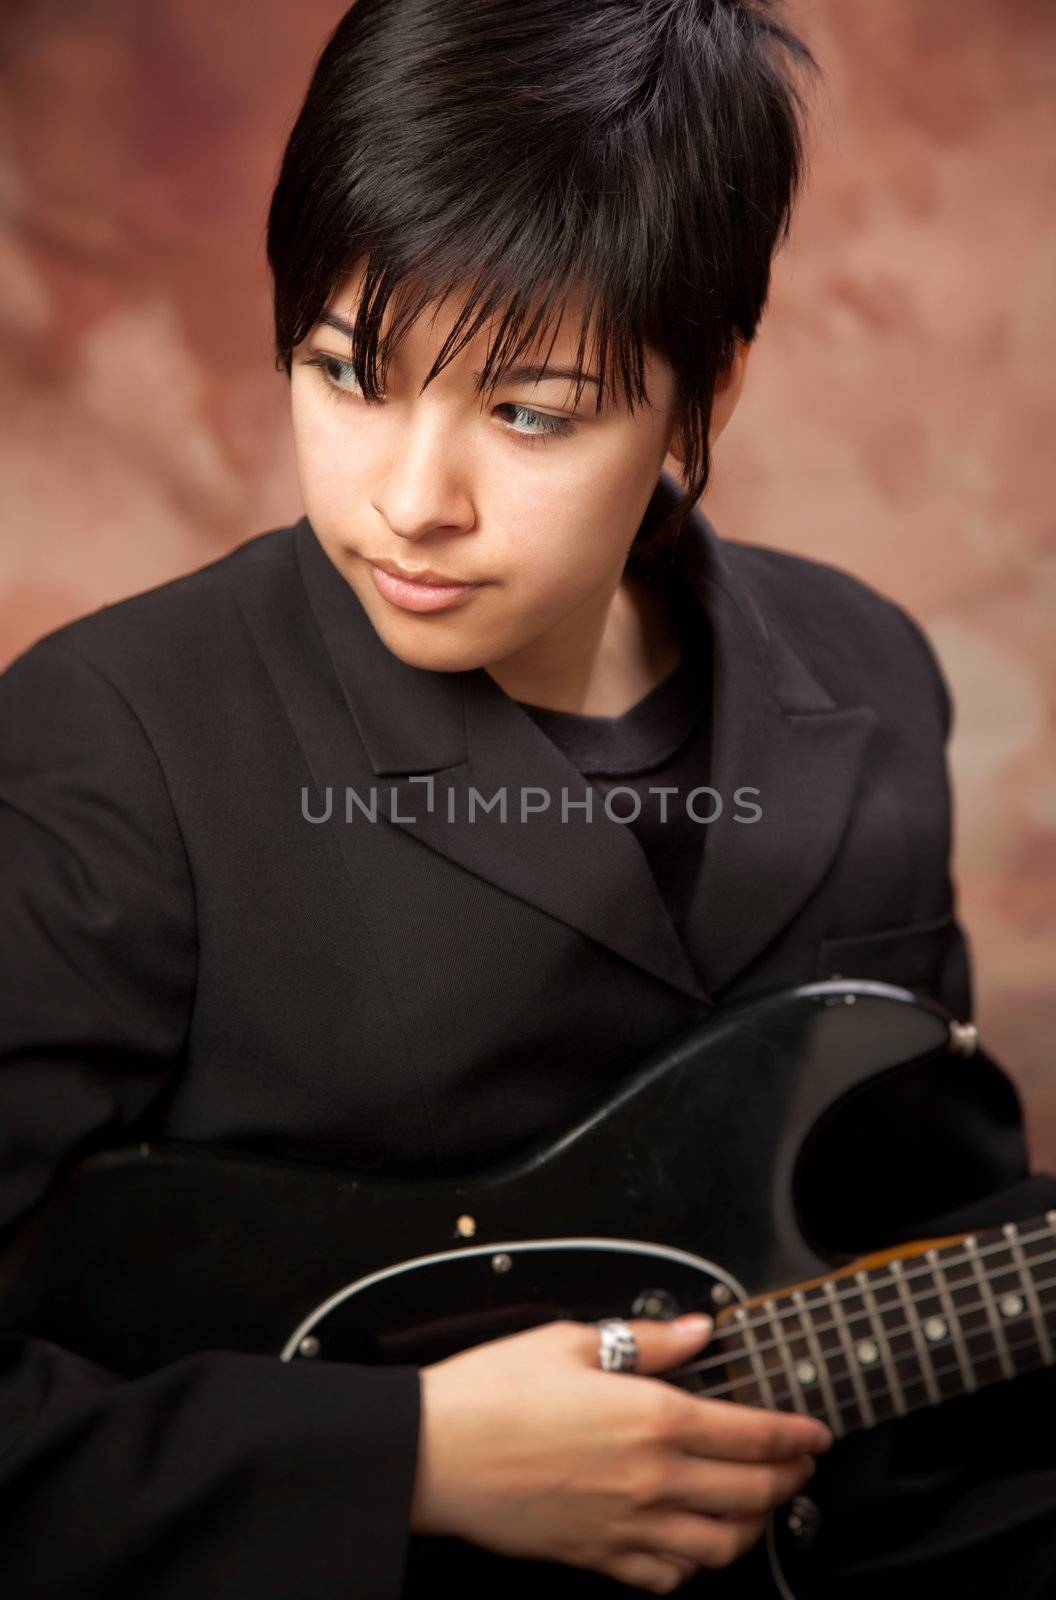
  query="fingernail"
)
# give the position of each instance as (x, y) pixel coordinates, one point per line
(696, 1323)
(823, 1439)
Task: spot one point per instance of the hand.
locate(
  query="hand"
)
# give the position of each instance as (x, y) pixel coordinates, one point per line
(528, 1448)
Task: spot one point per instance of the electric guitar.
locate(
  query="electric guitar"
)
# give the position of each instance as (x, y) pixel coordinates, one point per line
(684, 1190)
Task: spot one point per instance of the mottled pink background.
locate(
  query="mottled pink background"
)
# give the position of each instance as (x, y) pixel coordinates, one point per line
(897, 419)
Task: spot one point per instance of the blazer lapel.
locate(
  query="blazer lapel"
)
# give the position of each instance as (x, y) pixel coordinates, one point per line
(451, 745)
(482, 752)
(777, 730)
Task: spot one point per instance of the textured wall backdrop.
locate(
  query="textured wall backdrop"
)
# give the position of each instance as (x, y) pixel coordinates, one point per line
(897, 418)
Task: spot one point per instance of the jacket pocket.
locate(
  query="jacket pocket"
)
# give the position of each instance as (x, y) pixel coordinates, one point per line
(913, 956)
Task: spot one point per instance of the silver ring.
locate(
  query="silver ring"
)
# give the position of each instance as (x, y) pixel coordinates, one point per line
(617, 1346)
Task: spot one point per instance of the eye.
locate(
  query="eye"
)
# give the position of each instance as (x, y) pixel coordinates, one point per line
(544, 424)
(541, 425)
(326, 366)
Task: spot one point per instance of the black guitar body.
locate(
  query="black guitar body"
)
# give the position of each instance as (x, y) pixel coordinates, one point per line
(680, 1193)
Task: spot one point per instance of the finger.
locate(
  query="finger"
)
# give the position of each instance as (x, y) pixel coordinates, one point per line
(683, 1565)
(709, 1427)
(719, 1488)
(661, 1345)
(708, 1541)
(641, 1569)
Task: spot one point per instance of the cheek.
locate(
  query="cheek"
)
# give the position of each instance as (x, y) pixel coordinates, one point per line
(328, 463)
(570, 544)
(548, 579)
(577, 519)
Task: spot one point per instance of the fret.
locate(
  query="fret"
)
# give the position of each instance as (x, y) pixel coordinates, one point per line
(1039, 1272)
(938, 1328)
(868, 1350)
(964, 1362)
(981, 1322)
(843, 1375)
(927, 1371)
(1030, 1294)
(1012, 1307)
(900, 1338)
(840, 1319)
(802, 1358)
(838, 1371)
(853, 1367)
(784, 1351)
(1046, 1286)
(743, 1323)
(971, 1313)
(876, 1321)
(993, 1315)
(819, 1363)
(743, 1385)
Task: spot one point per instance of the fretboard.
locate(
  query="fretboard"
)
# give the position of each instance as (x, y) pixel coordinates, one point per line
(871, 1343)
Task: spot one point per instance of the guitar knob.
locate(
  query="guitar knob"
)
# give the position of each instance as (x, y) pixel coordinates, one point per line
(658, 1303)
(803, 1520)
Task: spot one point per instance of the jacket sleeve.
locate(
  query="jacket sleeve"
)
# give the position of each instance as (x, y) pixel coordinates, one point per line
(221, 1473)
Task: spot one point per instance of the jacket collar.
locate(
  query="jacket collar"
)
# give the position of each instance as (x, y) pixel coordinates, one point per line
(775, 728)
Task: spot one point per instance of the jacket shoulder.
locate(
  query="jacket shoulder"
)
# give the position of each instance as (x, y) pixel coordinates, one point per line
(861, 644)
(185, 620)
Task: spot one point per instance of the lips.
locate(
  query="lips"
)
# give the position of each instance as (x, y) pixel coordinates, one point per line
(417, 596)
(429, 579)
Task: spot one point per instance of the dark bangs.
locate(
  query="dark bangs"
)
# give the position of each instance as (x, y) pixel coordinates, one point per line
(642, 155)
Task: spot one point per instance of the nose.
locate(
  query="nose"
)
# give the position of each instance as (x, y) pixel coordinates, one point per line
(424, 489)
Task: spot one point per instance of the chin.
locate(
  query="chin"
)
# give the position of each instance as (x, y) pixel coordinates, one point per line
(432, 655)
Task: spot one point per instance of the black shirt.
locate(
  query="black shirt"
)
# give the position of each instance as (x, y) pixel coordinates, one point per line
(661, 742)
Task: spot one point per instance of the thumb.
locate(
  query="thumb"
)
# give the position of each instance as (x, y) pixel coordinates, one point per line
(666, 1344)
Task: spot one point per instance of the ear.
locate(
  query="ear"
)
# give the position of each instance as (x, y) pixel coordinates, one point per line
(724, 402)
(728, 390)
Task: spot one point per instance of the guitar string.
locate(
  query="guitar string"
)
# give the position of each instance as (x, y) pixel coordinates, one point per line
(735, 1327)
(891, 1281)
(752, 1382)
(784, 1399)
(745, 1352)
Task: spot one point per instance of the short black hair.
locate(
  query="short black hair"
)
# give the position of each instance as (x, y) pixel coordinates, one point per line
(646, 153)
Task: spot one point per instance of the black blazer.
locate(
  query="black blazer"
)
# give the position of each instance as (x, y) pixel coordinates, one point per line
(185, 954)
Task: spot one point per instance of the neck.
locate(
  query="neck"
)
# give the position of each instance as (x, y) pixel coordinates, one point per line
(599, 671)
(909, 1330)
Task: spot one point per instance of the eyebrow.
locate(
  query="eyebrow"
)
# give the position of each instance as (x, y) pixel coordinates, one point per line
(523, 374)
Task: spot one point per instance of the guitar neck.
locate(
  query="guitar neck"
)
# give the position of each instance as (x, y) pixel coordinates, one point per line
(894, 1332)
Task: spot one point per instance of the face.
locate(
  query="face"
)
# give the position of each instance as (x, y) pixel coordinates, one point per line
(530, 501)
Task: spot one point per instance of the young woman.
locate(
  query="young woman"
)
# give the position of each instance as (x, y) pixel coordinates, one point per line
(250, 899)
